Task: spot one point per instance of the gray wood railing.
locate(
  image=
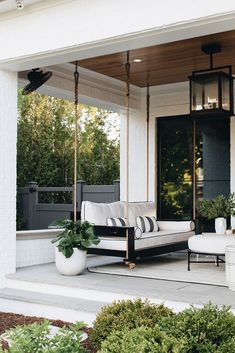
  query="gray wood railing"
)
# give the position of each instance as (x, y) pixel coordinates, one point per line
(39, 206)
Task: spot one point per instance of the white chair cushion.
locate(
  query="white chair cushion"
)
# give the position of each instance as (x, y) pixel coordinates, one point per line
(210, 244)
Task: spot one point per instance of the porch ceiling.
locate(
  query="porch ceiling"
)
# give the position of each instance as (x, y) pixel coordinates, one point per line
(166, 63)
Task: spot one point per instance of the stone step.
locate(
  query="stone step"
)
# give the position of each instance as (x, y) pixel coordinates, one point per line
(73, 291)
(50, 306)
(42, 291)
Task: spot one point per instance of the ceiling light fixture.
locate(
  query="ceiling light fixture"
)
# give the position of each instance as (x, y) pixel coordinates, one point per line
(19, 4)
(36, 79)
(211, 90)
(137, 60)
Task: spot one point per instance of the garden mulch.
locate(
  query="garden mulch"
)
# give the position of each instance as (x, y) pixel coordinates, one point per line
(10, 320)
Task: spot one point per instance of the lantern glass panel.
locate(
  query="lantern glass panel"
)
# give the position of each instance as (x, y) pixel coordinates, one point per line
(225, 93)
(205, 94)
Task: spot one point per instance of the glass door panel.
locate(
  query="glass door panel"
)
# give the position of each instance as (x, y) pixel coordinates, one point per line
(187, 146)
(212, 162)
(175, 156)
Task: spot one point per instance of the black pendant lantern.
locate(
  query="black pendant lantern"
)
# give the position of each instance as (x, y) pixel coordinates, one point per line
(211, 90)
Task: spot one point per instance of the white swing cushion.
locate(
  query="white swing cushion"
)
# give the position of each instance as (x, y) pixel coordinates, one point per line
(140, 209)
(97, 213)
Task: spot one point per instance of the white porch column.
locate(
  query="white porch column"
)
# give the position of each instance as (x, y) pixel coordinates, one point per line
(137, 156)
(232, 163)
(8, 129)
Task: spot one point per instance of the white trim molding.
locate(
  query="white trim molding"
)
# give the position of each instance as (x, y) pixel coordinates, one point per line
(51, 48)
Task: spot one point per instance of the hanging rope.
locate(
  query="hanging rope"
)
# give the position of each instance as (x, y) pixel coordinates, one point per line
(127, 67)
(76, 79)
(147, 147)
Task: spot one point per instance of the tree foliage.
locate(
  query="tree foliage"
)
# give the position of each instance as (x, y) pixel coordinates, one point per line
(45, 147)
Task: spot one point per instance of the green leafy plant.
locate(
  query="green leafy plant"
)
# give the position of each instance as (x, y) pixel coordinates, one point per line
(36, 338)
(126, 314)
(228, 346)
(141, 339)
(221, 206)
(45, 142)
(77, 234)
(207, 330)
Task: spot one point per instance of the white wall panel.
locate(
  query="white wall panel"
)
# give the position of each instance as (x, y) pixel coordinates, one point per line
(8, 125)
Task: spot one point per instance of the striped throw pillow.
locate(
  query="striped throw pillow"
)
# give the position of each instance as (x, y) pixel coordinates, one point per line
(147, 224)
(117, 222)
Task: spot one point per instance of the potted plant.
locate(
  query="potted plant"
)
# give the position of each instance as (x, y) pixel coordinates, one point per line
(219, 209)
(74, 240)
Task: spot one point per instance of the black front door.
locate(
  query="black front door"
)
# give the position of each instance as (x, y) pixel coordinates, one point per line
(193, 163)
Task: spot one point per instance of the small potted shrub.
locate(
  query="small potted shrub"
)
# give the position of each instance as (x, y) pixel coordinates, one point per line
(219, 209)
(74, 240)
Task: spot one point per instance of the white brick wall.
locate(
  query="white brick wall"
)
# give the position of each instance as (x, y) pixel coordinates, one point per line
(34, 247)
(8, 127)
(34, 252)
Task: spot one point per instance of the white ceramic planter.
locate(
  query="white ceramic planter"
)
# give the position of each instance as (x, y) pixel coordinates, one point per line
(72, 266)
(220, 225)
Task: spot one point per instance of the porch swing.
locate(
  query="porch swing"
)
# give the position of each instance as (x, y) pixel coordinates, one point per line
(129, 229)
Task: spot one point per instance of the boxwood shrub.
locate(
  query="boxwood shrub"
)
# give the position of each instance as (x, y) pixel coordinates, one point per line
(207, 330)
(126, 314)
(141, 339)
(227, 347)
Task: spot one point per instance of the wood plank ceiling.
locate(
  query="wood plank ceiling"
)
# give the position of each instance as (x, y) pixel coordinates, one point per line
(165, 63)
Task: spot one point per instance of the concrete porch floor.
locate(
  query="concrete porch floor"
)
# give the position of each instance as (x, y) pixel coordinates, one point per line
(81, 297)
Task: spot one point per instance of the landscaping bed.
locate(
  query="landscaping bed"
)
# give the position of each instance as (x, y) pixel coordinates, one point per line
(127, 326)
(10, 320)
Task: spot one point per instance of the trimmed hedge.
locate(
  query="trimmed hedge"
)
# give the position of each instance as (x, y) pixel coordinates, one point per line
(126, 314)
(141, 339)
(139, 326)
(207, 330)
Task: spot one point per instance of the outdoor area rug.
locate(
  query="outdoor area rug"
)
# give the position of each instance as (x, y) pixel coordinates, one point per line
(172, 267)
